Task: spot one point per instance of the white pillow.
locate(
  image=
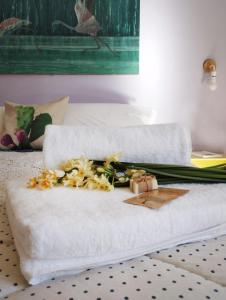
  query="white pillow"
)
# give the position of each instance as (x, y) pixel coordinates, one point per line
(103, 114)
(108, 114)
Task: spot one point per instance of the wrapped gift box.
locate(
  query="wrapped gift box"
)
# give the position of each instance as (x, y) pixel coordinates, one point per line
(143, 184)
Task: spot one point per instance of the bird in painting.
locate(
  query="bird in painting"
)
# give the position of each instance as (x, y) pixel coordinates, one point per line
(87, 23)
(10, 25)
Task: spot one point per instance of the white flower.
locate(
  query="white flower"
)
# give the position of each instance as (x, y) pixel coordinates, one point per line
(114, 157)
(99, 182)
(59, 173)
(73, 179)
(69, 165)
(135, 173)
(75, 173)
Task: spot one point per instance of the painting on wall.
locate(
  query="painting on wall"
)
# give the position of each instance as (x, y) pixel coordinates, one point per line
(69, 36)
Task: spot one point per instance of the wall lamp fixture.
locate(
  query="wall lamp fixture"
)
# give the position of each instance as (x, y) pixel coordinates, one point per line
(210, 73)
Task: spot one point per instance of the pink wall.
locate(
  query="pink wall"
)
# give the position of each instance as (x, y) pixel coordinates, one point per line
(176, 37)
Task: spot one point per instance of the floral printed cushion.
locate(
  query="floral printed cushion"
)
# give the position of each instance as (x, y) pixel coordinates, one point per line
(24, 125)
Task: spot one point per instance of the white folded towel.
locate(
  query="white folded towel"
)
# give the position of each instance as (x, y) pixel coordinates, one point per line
(91, 228)
(38, 270)
(166, 143)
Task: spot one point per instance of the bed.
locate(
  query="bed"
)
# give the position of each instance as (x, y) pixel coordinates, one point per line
(190, 271)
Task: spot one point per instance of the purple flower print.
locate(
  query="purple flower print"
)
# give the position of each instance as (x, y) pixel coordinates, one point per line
(7, 141)
(21, 135)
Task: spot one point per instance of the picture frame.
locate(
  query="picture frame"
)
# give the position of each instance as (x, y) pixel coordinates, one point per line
(69, 37)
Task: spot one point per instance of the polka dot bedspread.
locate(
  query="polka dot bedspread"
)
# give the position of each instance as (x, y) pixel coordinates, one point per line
(190, 271)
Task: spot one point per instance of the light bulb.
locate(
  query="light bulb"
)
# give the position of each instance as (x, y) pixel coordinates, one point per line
(212, 80)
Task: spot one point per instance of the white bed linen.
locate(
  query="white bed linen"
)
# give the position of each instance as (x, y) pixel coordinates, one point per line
(210, 257)
(137, 279)
(205, 258)
(16, 165)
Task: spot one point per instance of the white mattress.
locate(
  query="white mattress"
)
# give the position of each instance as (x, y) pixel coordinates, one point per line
(191, 271)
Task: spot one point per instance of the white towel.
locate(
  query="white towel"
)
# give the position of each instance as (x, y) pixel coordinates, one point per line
(90, 228)
(38, 270)
(166, 143)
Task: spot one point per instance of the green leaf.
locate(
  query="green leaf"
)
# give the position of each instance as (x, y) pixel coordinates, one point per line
(168, 174)
(38, 126)
(25, 115)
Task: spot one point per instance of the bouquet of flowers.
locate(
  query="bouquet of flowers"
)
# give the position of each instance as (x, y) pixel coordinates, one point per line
(105, 175)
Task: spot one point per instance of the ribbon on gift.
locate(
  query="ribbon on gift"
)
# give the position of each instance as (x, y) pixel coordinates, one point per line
(143, 183)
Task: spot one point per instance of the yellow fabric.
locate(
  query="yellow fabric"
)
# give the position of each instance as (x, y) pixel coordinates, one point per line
(207, 162)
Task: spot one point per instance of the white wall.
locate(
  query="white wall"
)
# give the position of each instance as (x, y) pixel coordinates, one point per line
(176, 37)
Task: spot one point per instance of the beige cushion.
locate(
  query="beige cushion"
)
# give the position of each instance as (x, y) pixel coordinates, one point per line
(30, 120)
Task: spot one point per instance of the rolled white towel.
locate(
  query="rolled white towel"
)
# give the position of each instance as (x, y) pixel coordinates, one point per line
(164, 143)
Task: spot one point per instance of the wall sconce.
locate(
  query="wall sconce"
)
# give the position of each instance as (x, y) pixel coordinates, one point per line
(210, 71)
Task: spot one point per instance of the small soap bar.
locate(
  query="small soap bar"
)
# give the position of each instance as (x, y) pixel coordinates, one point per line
(143, 184)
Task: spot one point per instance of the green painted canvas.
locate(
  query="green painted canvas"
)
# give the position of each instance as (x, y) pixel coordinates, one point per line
(69, 36)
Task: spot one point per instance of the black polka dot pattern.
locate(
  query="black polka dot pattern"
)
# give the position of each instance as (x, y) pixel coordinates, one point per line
(11, 279)
(206, 258)
(134, 283)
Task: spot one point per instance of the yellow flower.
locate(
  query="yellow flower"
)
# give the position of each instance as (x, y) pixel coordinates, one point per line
(32, 183)
(91, 184)
(74, 173)
(112, 158)
(85, 167)
(45, 184)
(99, 183)
(47, 179)
(73, 179)
(48, 175)
(101, 170)
(104, 184)
(69, 165)
(70, 182)
(135, 173)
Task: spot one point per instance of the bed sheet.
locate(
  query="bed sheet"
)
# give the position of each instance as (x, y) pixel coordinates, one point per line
(191, 271)
(17, 164)
(205, 258)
